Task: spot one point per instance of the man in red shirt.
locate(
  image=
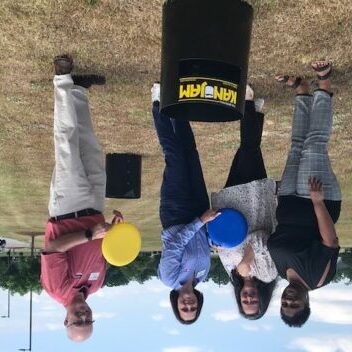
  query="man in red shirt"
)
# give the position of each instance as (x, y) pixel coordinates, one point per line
(72, 265)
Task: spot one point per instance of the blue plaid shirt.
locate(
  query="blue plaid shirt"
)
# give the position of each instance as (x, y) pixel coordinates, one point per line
(185, 254)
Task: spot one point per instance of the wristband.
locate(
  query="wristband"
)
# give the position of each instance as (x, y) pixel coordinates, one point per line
(89, 234)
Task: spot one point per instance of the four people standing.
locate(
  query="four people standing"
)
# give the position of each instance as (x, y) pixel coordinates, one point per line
(302, 240)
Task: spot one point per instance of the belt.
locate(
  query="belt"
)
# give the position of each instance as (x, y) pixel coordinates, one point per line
(76, 214)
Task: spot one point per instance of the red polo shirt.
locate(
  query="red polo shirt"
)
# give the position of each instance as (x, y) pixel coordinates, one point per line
(83, 266)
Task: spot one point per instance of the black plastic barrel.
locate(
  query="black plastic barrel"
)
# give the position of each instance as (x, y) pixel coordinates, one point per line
(204, 59)
(123, 175)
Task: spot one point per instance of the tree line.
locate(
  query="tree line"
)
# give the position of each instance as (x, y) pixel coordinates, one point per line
(21, 273)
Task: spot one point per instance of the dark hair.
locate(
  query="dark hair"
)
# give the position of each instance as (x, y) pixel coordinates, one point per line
(265, 292)
(173, 299)
(298, 319)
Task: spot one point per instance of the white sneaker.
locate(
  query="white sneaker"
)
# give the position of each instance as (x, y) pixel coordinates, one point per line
(249, 93)
(259, 104)
(155, 92)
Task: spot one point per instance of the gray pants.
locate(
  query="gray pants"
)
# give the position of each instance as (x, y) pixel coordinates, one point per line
(311, 128)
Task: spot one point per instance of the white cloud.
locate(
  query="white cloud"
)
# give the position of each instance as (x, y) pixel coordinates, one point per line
(156, 287)
(111, 292)
(158, 317)
(55, 327)
(267, 327)
(222, 291)
(173, 332)
(225, 315)
(182, 349)
(133, 288)
(48, 307)
(48, 314)
(104, 315)
(165, 303)
(250, 327)
(332, 313)
(327, 343)
(329, 293)
(35, 298)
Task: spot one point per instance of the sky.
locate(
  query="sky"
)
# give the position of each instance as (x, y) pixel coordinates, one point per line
(138, 317)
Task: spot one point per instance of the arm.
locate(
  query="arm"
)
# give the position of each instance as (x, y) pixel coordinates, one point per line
(66, 242)
(325, 223)
(244, 266)
(185, 234)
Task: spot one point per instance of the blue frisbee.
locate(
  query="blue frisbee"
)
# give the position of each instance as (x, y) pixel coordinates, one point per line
(229, 229)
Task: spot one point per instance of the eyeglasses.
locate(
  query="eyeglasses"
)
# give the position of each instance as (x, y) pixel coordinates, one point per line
(79, 323)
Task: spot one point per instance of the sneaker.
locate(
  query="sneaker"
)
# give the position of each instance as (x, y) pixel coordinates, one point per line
(63, 64)
(249, 92)
(259, 104)
(155, 92)
(87, 81)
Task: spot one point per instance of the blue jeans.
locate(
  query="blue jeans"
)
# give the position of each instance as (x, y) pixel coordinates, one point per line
(183, 194)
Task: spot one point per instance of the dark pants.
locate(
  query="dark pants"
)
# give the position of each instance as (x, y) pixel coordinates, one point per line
(248, 164)
(183, 194)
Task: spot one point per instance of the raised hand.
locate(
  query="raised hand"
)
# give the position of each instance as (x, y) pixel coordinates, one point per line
(118, 217)
(315, 189)
(209, 215)
(100, 230)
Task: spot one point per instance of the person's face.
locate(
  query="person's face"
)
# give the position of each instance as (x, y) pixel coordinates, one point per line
(187, 304)
(293, 300)
(78, 314)
(249, 298)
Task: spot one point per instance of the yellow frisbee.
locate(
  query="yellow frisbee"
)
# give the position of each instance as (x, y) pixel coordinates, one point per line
(121, 244)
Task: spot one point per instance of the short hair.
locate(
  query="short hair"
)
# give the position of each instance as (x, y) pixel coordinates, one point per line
(265, 292)
(173, 299)
(298, 319)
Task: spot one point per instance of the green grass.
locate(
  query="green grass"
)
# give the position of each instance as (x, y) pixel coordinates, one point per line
(121, 40)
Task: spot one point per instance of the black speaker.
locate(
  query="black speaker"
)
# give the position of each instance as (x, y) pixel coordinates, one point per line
(123, 176)
(204, 59)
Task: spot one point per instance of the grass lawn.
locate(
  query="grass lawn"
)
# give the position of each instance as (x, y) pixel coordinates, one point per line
(121, 40)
